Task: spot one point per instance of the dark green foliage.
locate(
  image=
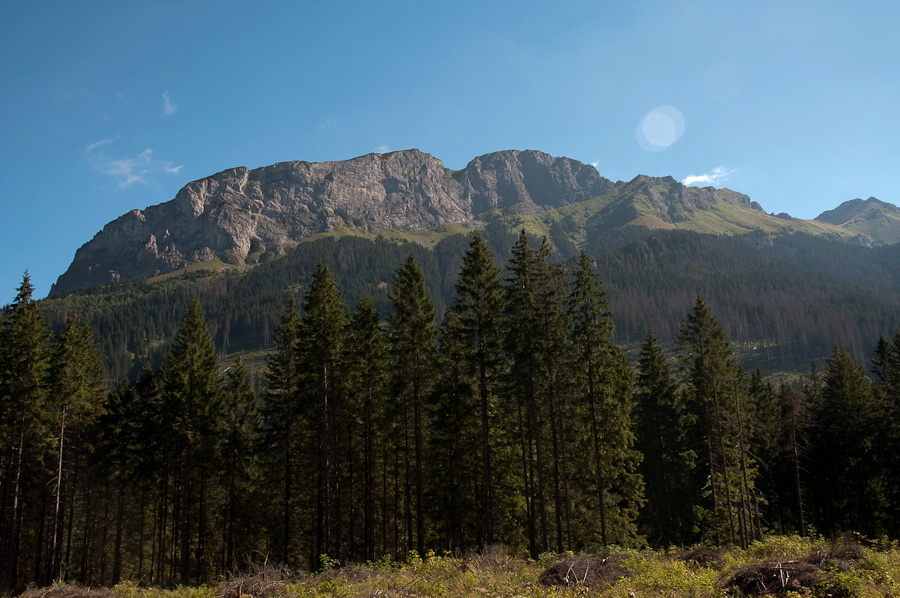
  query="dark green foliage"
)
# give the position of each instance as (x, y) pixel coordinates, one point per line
(848, 490)
(472, 337)
(367, 365)
(324, 415)
(662, 428)
(715, 396)
(24, 367)
(601, 385)
(524, 424)
(240, 429)
(280, 436)
(190, 393)
(412, 334)
(76, 400)
(886, 366)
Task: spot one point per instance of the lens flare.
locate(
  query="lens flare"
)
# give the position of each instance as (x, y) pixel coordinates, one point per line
(660, 128)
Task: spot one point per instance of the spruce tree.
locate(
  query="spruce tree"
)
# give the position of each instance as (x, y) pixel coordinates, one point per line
(523, 369)
(240, 428)
(190, 391)
(280, 412)
(76, 399)
(848, 486)
(603, 399)
(662, 429)
(716, 396)
(323, 390)
(367, 369)
(477, 311)
(412, 340)
(24, 366)
(455, 442)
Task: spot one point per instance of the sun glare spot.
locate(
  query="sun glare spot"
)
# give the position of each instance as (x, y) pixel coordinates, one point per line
(660, 128)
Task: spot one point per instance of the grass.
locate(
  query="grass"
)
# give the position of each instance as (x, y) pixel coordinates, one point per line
(846, 569)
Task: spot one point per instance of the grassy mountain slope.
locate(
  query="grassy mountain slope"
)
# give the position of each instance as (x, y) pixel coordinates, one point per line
(870, 218)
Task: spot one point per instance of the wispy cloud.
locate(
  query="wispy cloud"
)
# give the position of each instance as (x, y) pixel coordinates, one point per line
(714, 177)
(90, 148)
(169, 107)
(327, 124)
(381, 149)
(127, 170)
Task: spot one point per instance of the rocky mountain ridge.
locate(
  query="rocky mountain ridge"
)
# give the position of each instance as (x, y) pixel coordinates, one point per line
(244, 216)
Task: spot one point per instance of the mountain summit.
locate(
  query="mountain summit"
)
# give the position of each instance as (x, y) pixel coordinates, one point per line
(870, 217)
(243, 216)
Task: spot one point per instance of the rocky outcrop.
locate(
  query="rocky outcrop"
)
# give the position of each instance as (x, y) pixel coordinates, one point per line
(528, 182)
(673, 202)
(239, 214)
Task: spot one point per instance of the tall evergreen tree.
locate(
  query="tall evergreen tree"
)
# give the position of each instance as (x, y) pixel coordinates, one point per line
(280, 413)
(717, 398)
(886, 366)
(24, 365)
(521, 343)
(848, 488)
(662, 428)
(477, 310)
(190, 391)
(76, 399)
(412, 340)
(240, 428)
(367, 367)
(599, 378)
(323, 393)
(455, 442)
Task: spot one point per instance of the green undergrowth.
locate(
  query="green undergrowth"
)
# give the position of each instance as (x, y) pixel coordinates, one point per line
(845, 569)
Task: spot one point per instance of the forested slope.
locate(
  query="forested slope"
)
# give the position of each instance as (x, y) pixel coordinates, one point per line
(784, 299)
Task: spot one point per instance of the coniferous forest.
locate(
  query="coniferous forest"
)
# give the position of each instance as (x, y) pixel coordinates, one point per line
(510, 418)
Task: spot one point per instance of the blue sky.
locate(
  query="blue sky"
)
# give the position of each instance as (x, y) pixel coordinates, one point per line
(111, 106)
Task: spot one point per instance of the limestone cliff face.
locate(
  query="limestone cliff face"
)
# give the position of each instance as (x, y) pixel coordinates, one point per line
(528, 182)
(241, 213)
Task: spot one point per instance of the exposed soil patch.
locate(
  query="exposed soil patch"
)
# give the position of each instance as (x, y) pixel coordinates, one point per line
(69, 590)
(585, 571)
(774, 577)
(711, 558)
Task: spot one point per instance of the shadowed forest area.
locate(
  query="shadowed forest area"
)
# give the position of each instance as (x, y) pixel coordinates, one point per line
(510, 418)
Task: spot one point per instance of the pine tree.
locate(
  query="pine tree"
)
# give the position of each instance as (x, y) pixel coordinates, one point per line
(455, 442)
(76, 376)
(848, 485)
(477, 310)
(886, 366)
(240, 428)
(598, 377)
(662, 428)
(323, 394)
(412, 340)
(280, 412)
(521, 343)
(367, 368)
(717, 398)
(24, 365)
(189, 382)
